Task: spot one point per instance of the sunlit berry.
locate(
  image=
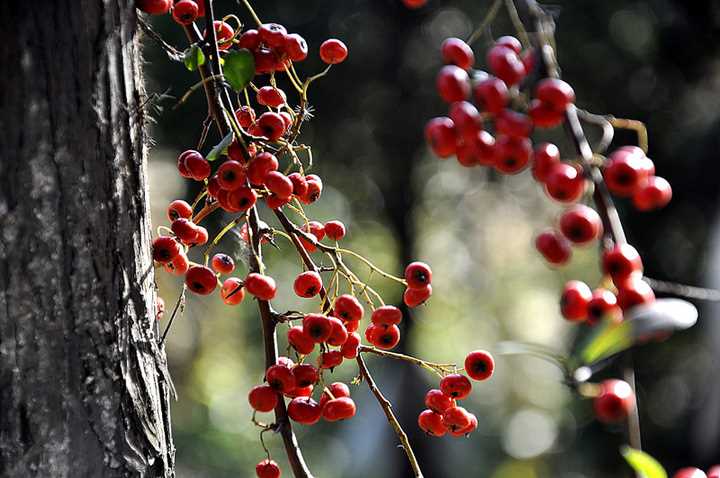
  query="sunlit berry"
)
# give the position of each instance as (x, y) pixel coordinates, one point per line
(574, 301)
(339, 333)
(491, 95)
(553, 246)
(453, 83)
(512, 154)
(564, 183)
(304, 410)
(621, 261)
(349, 349)
(456, 386)
(334, 230)
(296, 47)
(479, 365)
(506, 64)
(415, 297)
(260, 166)
(456, 418)
(165, 249)
(179, 209)
(154, 7)
(300, 341)
(441, 136)
(201, 280)
(261, 286)
(431, 423)
(655, 194)
(581, 224)
(634, 291)
(333, 51)
(339, 409)
(348, 308)
(263, 398)
(545, 156)
(603, 304)
(185, 11)
(317, 327)
(386, 315)
(271, 96)
(456, 52)
(384, 337)
(437, 401)
(614, 402)
(280, 378)
(267, 469)
(418, 275)
(555, 93)
(330, 359)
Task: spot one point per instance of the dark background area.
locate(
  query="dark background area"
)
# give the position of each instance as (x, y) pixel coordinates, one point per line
(655, 61)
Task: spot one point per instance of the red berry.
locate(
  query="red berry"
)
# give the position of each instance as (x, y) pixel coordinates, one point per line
(339, 409)
(416, 297)
(714, 472)
(201, 237)
(511, 123)
(245, 116)
(279, 184)
(295, 47)
(543, 115)
(197, 167)
(466, 119)
(555, 93)
(690, 472)
(335, 230)
(300, 392)
(333, 51)
(633, 292)
(339, 333)
(185, 12)
(655, 194)
(263, 398)
(314, 189)
(626, 172)
(185, 230)
(348, 308)
(479, 150)
(418, 275)
(270, 125)
(232, 292)
(280, 378)
(250, 39)
(512, 154)
(603, 304)
(300, 341)
(386, 315)
(564, 183)
(457, 52)
(315, 228)
(165, 249)
(581, 224)
(479, 365)
(437, 401)
(330, 360)
(154, 7)
(271, 96)
(261, 286)
(574, 301)
(510, 42)
(545, 156)
(337, 390)
(414, 4)
(456, 419)
(179, 265)
(307, 284)
(431, 423)
(317, 327)
(223, 32)
(260, 166)
(305, 374)
(621, 262)
(272, 34)
(615, 401)
(241, 199)
(231, 175)
(222, 263)
(441, 136)
(299, 184)
(349, 349)
(471, 427)
(201, 280)
(456, 386)
(267, 469)
(304, 410)
(491, 95)
(506, 64)
(179, 209)
(453, 83)
(384, 337)
(553, 246)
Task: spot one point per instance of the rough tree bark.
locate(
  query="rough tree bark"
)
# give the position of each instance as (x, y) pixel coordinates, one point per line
(84, 389)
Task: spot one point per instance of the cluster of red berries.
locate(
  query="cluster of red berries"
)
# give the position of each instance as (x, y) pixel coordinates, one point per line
(443, 415)
(692, 472)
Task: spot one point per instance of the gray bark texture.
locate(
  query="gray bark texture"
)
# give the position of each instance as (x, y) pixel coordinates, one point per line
(84, 388)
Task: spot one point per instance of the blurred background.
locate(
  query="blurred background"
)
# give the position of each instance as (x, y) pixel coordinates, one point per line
(657, 61)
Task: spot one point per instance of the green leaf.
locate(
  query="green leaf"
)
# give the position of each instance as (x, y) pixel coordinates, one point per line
(607, 341)
(239, 68)
(645, 465)
(193, 57)
(220, 148)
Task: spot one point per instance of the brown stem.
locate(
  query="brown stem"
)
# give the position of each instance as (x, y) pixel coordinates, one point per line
(387, 408)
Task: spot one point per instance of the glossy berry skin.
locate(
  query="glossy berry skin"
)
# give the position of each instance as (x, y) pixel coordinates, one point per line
(307, 284)
(414, 4)
(272, 34)
(339, 333)
(415, 297)
(655, 194)
(441, 136)
(223, 32)
(603, 304)
(269, 125)
(626, 172)
(554, 247)
(317, 327)
(185, 230)
(222, 263)
(543, 115)
(456, 419)
(278, 184)
(633, 292)
(241, 199)
(314, 190)
(384, 337)
(267, 469)
(195, 165)
(337, 390)
(512, 154)
(386, 315)
(545, 156)
(349, 349)
(512, 123)
(271, 96)
(179, 265)
(334, 230)
(339, 409)
(621, 261)
(574, 301)
(280, 378)
(299, 184)
(466, 119)
(231, 175)
(453, 84)
(491, 95)
(471, 427)
(690, 472)
(300, 341)
(714, 472)
(348, 308)
(263, 398)
(478, 150)
(431, 423)
(330, 360)
(555, 93)
(437, 401)
(479, 365)
(305, 374)
(154, 7)
(456, 386)
(296, 47)
(245, 116)
(511, 42)
(201, 280)
(506, 64)
(333, 51)
(614, 402)
(304, 410)
(185, 12)
(581, 224)
(456, 52)
(232, 291)
(165, 249)
(179, 209)
(315, 228)
(261, 286)
(418, 275)
(260, 166)
(564, 183)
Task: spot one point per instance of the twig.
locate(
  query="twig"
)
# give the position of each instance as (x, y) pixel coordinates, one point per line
(489, 17)
(178, 304)
(441, 369)
(683, 290)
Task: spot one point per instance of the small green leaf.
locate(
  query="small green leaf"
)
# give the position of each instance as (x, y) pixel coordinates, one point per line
(220, 148)
(645, 465)
(607, 341)
(239, 68)
(193, 57)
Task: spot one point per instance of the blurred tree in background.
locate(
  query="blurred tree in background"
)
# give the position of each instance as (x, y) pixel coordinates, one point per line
(657, 61)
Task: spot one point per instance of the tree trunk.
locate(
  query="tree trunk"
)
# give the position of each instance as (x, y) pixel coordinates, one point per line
(84, 389)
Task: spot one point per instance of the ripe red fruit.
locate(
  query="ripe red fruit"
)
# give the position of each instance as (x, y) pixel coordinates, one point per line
(261, 286)
(299, 184)
(307, 284)
(441, 136)
(555, 93)
(471, 427)
(241, 199)
(655, 194)
(295, 47)
(179, 209)
(633, 292)
(349, 349)
(510, 42)
(305, 374)
(339, 333)
(223, 32)
(512, 154)
(714, 472)
(437, 401)
(300, 341)
(574, 301)
(201, 280)
(260, 167)
(466, 119)
(512, 123)
(279, 184)
(479, 150)
(384, 337)
(418, 275)
(456, 419)
(231, 175)
(269, 125)
(352, 326)
(185, 230)
(317, 327)
(553, 247)
(263, 398)
(339, 409)
(491, 95)
(603, 304)
(453, 83)
(314, 189)
(456, 386)
(185, 12)
(626, 172)
(272, 34)
(165, 249)
(545, 156)
(201, 237)
(416, 297)
(330, 360)
(506, 64)
(386, 315)
(195, 165)
(615, 401)
(300, 392)
(479, 365)
(304, 410)
(245, 114)
(179, 265)
(337, 390)
(333, 51)
(222, 263)
(232, 292)
(154, 7)
(621, 262)
(431, 423)
(280, 378)
(581, 224)
(250, 39)
(564, 183)
(315, 228)
(271, 96)
(414, 4)
(690, 472)
(456, 52)
(334, 230)
(348, 308)
(267, 469)
(543, 115)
